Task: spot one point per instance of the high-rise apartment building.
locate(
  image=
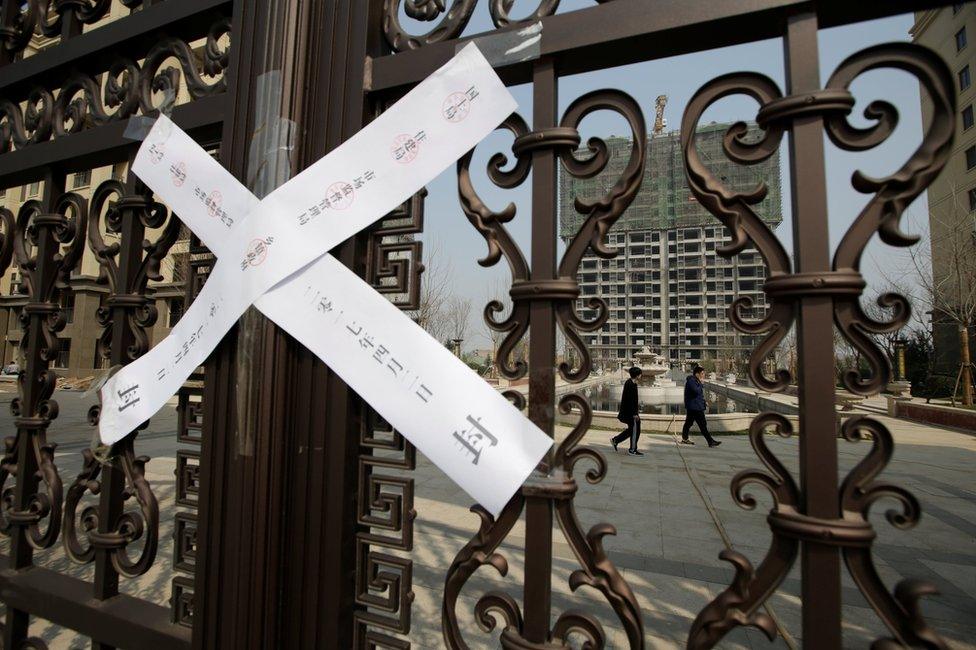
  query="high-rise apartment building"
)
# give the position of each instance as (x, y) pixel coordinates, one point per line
(952, 196)
(667, 288)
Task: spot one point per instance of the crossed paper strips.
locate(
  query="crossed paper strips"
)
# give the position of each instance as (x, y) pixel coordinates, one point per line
(272, 254)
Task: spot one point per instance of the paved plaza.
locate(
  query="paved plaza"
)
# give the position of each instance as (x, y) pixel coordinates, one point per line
(673, 511)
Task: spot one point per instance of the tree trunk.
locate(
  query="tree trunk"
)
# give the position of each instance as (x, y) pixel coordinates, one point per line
(967, 366)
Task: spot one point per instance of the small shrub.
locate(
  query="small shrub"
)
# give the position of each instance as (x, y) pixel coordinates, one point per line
(934, 386)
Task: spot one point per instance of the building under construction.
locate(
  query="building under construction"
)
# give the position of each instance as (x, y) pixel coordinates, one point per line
(667, 288)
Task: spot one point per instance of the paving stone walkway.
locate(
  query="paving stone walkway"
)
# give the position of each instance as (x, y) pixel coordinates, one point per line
(673, 511)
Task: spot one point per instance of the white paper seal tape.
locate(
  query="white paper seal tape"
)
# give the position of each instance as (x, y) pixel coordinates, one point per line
(270, 254)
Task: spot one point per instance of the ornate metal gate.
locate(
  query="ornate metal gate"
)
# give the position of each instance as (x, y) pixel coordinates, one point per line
(295, 509)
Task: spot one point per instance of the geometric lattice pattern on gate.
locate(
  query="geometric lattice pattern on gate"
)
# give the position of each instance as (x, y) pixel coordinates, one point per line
(189, 427)
(190, 433)
(393, 256)
(385, 489)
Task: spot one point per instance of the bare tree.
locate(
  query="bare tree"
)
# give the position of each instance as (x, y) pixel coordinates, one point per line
(846, 356)
(944, 266)
(785, 354)
(602, 360)
(457, 313)
(888, 341)
(435, 291)
(708, 361)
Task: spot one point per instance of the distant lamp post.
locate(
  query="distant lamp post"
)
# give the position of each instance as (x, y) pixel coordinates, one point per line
(457, 347)
(900, 388)
(900, 345)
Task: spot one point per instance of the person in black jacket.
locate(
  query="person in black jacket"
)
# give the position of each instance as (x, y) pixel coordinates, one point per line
(629, 414)
(695, 407)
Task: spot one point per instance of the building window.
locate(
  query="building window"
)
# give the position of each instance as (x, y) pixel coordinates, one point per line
(967, 117)
(175, 311)
(118, 171)
(31, 190)
(3, 192)
(964, 79)
(81, 179)
(64, 353)
(960, 39)
(970, 158)
(16, 287)
(972, 199)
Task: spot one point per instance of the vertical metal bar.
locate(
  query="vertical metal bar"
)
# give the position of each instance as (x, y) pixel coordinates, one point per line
(820, 563)
(21, 553)
(257, 505)
(8, 11)
(356, 33)
(110, 502)
(70, 25)
(222, 472)
(542, 354)
(262, 429)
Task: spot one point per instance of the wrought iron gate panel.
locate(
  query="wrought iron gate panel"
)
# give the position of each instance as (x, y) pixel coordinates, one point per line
(328, 565)
(64, 109)
(813, 518)
(544, 297)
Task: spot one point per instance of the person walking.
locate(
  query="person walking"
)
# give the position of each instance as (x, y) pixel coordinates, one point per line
(629, 414)
(695, 407)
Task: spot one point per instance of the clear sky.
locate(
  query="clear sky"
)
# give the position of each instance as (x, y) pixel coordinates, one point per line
(459, 246)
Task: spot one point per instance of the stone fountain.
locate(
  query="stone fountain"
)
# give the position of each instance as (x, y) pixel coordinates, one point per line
(654, 381)
(652, 365)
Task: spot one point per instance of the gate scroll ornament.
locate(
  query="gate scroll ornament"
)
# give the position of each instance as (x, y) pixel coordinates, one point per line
(454, 20)
(554, 483)
(851, 533)
(35, 241)
(127, 313)
(130, 88)
(48, 17)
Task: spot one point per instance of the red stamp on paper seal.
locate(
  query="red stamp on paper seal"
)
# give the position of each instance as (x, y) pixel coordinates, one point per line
(405, 148)
(456, 107)
(340, 195)
(177, 172)
(213, 201)
(257, 252)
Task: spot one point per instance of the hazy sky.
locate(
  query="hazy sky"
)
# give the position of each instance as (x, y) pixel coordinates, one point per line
(459, 246)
